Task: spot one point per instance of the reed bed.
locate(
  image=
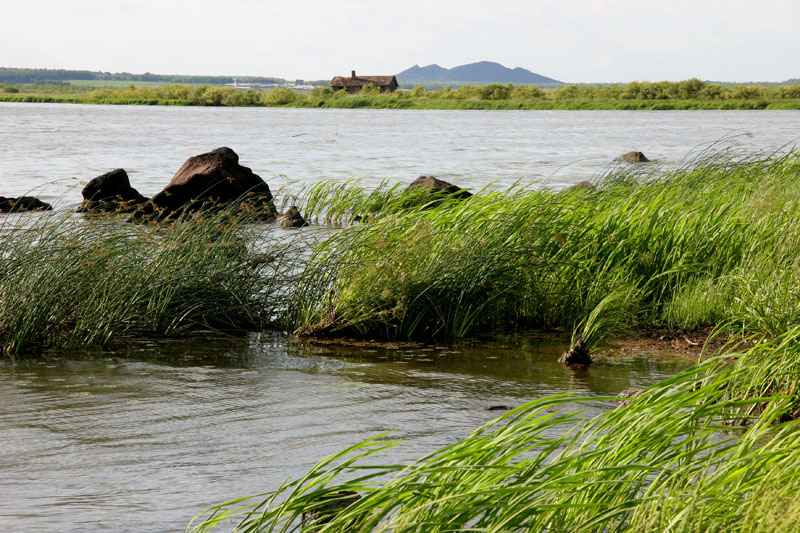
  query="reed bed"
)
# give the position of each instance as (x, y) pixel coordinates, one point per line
(68, 282)
(711, 244)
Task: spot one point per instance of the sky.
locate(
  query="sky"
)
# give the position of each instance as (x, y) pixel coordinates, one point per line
(571, 40)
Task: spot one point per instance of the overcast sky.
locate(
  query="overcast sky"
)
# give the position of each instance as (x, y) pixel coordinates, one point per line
(572, 40)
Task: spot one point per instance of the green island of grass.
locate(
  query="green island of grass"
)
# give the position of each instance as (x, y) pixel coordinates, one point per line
(685, 95)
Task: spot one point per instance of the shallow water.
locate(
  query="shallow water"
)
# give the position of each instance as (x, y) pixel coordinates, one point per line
(51, 150)
(129, 442)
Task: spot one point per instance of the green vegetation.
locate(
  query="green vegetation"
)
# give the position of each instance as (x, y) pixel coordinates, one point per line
(691, 94)
(68, 282)
(712, 245)
(714, 448)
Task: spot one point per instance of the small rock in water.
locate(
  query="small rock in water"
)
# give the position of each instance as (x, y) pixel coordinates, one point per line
(635, 157)
(327, 508)
(587, 185)
(292, 218)
(578, 355)
(433, 184)
(110, 193)
(23, 204)
(499, 408)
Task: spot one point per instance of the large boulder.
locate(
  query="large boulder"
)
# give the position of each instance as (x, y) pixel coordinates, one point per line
(111, 192)
(634, 157)
(212, 181)
(23, 204)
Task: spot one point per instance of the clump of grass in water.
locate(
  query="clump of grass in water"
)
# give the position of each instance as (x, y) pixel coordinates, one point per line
(543, 259)
(68, 282)
(610, 317)
(666, 461)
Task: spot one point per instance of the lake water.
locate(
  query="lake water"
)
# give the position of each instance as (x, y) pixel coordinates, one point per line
(143, 439)
(140, 441)
(52, 150)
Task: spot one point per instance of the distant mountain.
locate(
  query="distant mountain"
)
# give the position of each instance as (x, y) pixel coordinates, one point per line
(481, 72)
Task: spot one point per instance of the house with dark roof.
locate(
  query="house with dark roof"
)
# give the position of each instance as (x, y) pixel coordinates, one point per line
(354, 83)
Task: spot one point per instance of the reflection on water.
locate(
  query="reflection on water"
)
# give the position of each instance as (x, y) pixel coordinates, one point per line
(141, 440)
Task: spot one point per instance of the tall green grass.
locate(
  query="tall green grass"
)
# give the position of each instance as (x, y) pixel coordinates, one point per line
(67, 283)
(712, 244)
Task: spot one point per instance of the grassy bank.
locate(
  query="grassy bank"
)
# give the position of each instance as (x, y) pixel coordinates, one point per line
(711, 245)
(691, 94)
(714, 448)
(69, 283)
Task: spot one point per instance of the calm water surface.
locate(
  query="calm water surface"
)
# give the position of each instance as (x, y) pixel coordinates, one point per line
(128, 442)
(142, 440)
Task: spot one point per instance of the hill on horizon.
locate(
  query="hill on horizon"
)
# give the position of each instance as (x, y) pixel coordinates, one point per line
(479, 73)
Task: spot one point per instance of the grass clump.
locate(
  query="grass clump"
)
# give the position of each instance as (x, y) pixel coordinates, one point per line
(719, 228)
(68, 283)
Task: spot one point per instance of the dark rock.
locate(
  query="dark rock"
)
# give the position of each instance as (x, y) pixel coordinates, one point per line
(292, 219)
(499, 408)
(23, 204)
(212, 181)
(111, 192)
(437, 186)
(634, 157)
(577, 355)
(327, 508)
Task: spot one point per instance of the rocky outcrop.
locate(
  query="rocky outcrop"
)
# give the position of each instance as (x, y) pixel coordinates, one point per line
(292, 219)
(23, 204)
(634, 157)
(110, 193)
(209, 182)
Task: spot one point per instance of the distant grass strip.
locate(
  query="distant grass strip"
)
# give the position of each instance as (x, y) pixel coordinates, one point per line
(68, 283)
(686, 95)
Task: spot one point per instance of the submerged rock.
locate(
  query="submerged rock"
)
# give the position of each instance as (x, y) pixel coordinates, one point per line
(437, 186)
(110, 193)
(327, 508)
(212, 181)
(634, 157)
(23, 204)
(577, 355)
(584, 185)
(292, 219)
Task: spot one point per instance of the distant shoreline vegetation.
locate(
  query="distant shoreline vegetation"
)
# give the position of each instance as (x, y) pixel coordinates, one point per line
(683, 95)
